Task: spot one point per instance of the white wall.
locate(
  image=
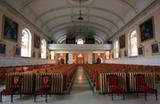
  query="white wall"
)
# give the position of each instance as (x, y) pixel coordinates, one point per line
(148, 58)
(9, 58)
(16, 61)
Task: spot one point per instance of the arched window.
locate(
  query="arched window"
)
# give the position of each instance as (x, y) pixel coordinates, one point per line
(43, 49)
(26, 43)
(80, 41)
(116, 49)
(133, 49)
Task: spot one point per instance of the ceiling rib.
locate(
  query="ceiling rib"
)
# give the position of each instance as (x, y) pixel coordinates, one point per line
(97, 34)
(68, 7)
(93, 23)
(29, 2)
(70, 28)
(69, 15)
(130, 5)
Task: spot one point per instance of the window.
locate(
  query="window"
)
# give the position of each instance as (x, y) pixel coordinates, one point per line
(52, 55)
(116, 49)
(80, 41)
(133, 49)
(43, 49)
(26, 43)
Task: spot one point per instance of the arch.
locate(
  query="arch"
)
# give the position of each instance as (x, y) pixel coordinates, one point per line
(87, 23)
(133, 48)
(29, 2)
(43, 49)
(68, 7)
(62, 38)
(71, 26)
(68, 15)
(102, 34)
(26, 39)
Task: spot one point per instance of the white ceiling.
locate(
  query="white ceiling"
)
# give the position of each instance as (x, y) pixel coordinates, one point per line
(102, 18)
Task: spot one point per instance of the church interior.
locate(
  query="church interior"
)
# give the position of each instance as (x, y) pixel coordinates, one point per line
(80, 51)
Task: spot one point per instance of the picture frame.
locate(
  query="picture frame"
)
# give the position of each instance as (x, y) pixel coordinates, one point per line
(17, 51)
(141, 51)
(155, 48)
(10, 29)
(36, 41)
(147, 29)
(2, 48)
(122, 41)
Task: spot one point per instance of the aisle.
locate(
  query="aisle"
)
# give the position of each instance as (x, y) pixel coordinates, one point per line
(80, 84)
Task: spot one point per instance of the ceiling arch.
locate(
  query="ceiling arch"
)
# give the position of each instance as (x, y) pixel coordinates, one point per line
(69, 15)
(63, 37)
(70, 28)
(88, 23)
(99, 32)
(68, 7)
(127, 3)
(107, 17)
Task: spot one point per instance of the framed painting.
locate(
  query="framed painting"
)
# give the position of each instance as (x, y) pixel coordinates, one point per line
(17, 51)
(147, 30)
(36, 41)
(10, 29)
(2, 48)
(140, 51)
(122, 41)
(155, 48)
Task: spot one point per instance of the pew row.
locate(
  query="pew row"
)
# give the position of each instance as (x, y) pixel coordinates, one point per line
(61, 79)
(98, 76)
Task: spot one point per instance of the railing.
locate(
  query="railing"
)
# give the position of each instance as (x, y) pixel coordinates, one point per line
(79, 47)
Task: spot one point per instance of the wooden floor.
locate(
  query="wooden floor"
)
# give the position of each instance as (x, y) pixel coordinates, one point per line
(81, 93)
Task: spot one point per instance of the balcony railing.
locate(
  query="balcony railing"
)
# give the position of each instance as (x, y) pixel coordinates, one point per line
(79, 47)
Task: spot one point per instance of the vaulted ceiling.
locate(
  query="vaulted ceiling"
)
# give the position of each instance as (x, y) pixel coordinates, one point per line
(101, 18)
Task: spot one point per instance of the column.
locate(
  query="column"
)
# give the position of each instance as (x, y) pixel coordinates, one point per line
(70, 58)
(90, 58)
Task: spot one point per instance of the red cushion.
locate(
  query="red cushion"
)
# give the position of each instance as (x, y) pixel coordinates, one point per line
(116, 89)
(146, 89)
(7, 90)
(41, 90)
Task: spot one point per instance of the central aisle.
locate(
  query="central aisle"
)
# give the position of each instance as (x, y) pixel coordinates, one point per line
(80, 84)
